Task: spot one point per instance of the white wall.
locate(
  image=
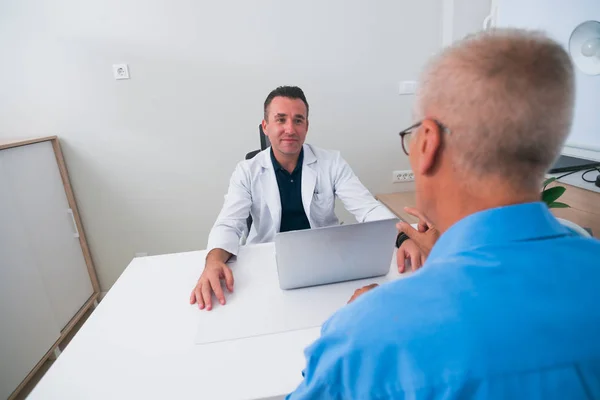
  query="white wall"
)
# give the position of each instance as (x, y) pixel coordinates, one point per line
(150, 157)
(468, 16)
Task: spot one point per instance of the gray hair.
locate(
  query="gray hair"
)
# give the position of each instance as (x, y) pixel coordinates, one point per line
(507, 97)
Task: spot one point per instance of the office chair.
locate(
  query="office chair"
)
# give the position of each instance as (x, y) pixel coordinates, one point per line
(264, 143)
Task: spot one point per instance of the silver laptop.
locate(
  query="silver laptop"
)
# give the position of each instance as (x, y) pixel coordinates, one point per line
(334, 254)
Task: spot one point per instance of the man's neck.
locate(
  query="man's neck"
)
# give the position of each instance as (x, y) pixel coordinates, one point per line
(287, 161)
(455, 205)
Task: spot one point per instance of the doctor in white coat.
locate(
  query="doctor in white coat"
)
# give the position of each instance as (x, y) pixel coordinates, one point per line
(290, 186)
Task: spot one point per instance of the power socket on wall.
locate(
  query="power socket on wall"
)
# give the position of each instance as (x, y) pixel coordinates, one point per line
(403, 176)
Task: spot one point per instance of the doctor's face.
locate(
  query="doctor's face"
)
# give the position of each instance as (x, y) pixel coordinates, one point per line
(287, 125)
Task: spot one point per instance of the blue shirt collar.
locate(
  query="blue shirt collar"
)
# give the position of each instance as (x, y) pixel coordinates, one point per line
(496, 226)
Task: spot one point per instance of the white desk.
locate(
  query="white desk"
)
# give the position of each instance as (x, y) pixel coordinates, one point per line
(139, 342)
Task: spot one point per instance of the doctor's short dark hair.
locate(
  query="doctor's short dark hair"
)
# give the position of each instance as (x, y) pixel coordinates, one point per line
(291, 92)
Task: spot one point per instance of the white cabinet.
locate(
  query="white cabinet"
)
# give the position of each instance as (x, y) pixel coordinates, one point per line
(46, 275)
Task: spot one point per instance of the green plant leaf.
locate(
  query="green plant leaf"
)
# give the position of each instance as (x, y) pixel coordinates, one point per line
(552, 194)
(557, 204)
(548, 181)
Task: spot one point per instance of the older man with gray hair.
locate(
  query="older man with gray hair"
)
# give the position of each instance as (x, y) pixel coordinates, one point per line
(507, 303)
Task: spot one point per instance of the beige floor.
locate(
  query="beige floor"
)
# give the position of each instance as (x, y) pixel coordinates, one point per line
(46, 366)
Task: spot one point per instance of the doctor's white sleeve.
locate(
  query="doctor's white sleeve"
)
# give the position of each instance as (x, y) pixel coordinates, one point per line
(356, 197)
(231, 223)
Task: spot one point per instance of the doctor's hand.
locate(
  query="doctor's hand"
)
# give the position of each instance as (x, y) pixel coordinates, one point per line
(210, 280)
(409, 251)
(424, 237)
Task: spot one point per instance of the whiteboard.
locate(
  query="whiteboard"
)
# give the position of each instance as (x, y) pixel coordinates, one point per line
(558, 18)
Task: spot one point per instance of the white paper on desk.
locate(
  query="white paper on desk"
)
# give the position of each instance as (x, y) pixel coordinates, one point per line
(259, 307)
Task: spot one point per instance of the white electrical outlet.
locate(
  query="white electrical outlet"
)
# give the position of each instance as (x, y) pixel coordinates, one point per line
(121, 71)
(403, 176)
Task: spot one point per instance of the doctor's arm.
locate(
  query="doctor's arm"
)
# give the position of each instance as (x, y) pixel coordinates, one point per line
(223, 242)
(356, 197)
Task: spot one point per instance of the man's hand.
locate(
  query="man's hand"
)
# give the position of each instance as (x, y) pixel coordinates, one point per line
(424, 236)
(361, 291)
(409, 251)
(210, 280)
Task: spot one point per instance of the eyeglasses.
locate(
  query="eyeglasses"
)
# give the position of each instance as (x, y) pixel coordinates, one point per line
(405, 135)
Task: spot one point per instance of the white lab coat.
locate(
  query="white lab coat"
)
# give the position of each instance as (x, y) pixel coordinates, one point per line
(253, 190)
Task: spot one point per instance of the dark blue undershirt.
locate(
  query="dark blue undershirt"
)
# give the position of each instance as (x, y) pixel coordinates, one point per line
(293, 216)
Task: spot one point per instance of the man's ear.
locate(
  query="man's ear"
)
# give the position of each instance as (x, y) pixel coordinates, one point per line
(264, 126)
(428, 146)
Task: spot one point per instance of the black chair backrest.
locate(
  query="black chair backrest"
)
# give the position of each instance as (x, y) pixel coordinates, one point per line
(264, 140)
(252, 154)
(264, 143)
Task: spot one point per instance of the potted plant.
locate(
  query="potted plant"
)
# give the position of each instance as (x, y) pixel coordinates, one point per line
(550, 195)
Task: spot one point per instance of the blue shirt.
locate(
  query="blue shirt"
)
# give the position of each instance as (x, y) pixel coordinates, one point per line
(507, 306)
(293, 216)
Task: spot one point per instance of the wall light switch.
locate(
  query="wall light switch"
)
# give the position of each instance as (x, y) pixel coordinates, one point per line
(121, 71)
(408, 87)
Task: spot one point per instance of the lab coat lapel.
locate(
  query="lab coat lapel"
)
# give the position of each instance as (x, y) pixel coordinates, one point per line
(309, 181)
(268, 184)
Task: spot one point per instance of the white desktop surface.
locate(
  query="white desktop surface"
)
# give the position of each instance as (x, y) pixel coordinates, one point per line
(258, 306)
(139, 342)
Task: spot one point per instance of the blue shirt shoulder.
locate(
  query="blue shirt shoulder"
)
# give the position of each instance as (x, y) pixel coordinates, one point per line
(492, 314)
